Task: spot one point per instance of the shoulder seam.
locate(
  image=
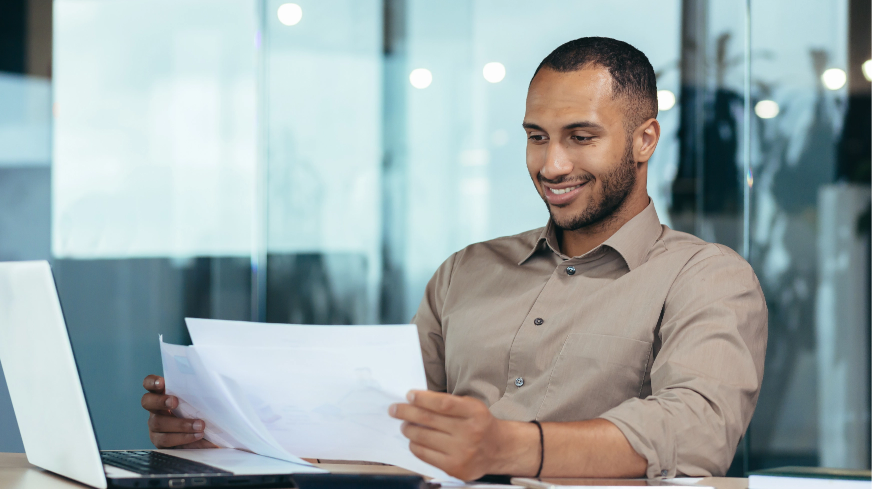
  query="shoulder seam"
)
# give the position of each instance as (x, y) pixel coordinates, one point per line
(720, 253)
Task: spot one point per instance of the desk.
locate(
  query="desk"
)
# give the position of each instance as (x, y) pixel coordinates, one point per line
(16, 473)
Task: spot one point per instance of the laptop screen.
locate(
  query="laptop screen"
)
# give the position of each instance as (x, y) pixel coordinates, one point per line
(42, 375)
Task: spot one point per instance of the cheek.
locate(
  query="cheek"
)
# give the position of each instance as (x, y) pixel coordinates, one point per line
(535, 159)
(596, 159)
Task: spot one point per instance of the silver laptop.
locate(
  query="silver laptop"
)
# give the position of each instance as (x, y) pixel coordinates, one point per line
(53, 415)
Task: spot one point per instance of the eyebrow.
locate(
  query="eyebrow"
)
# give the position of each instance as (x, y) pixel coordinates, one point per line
(574, 125)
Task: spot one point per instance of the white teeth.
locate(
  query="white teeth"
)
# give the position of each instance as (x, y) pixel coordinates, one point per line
(559, 191)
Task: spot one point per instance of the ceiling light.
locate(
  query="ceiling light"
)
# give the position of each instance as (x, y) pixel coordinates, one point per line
(766, 109)
(867, 69)
(665, 99)
(834, 78)
(421, 78)
(494, 72)
(290, 14)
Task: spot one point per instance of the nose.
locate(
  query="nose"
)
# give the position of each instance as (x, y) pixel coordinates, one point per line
(557, 162)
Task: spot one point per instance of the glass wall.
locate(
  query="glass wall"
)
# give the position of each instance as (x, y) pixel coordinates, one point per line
(314, 162)
(810, 228)
(374, 181)
(311, 162)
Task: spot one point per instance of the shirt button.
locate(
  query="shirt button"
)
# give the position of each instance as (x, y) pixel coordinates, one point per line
(538, 321)
(519, 381)
(570, 270)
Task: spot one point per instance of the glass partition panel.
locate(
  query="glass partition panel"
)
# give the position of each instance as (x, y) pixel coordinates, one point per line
(323, 93)
(152, 185)
(810, 230)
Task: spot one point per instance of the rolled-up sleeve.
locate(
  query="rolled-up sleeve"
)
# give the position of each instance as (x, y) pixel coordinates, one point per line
(706, 377)
(429, 322)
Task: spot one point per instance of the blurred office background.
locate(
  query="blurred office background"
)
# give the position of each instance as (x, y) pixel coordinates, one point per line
(314, 162)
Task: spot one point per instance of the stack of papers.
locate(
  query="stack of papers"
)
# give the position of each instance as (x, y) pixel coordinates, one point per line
(289, 391)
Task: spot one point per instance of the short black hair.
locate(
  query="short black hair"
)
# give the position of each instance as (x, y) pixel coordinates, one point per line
(632, 74)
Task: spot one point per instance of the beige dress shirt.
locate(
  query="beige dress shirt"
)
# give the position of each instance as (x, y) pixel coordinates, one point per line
(655, 330)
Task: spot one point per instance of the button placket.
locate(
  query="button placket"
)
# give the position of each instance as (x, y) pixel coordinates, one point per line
(522, 353)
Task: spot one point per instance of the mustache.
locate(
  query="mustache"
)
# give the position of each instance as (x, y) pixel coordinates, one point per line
(565, 179)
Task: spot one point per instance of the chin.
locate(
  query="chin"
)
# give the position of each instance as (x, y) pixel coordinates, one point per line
(563, 217)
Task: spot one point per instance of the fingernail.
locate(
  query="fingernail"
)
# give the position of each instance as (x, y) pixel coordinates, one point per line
(393, 410)
(411, 396)
(198, 425)
(157, 383)
(169, 402)
(198, 435)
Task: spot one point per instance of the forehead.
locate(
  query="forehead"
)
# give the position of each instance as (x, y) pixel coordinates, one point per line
(585, 94)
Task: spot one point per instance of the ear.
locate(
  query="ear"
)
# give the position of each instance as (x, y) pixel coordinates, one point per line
(645, 139)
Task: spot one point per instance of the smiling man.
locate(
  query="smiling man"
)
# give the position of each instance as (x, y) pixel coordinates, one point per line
(635, 350)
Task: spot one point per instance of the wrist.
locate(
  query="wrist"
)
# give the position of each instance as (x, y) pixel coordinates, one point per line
(517, 451)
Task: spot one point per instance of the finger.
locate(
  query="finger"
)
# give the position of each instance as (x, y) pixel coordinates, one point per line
(154, 384)
(432, 457)
(432, 439)
(169, 440)
(159, 403)
(204, 443)
(424, 417)
(160, 423)
(442, 403)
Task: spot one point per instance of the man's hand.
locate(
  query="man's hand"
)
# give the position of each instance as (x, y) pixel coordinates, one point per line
(460, 436)
(164, 429)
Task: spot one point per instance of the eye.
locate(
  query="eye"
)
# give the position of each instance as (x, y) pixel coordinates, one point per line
(536, 137)
(582, 139)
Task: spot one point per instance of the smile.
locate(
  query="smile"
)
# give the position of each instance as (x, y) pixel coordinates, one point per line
(561, 191)
(565, 195)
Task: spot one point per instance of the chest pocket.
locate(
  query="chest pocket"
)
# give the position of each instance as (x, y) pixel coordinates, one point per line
(594, 373)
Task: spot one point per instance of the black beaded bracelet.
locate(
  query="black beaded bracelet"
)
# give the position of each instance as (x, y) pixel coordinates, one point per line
(541, 448)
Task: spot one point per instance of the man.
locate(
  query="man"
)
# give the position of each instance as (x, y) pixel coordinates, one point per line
(638, 349)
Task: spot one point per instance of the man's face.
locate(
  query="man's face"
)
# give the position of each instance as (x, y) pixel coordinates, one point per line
(579, 153)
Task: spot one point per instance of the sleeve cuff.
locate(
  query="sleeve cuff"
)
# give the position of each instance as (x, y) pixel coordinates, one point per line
(660, 454)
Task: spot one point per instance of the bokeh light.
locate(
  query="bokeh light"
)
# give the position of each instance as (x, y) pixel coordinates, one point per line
(421, 78)
(494, 72)
(290, 13)
(867, 69)
(665, 99)
(766, 109)
(834, 78)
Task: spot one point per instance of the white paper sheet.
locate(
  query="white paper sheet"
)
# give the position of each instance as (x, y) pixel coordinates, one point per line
(308, 391)
(205, 395)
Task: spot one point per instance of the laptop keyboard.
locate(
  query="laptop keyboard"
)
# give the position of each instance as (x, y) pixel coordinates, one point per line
(150, 463)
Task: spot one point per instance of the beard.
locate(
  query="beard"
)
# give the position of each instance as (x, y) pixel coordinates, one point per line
(616, 186)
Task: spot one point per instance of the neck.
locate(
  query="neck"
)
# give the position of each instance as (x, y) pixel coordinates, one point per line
(579, 241)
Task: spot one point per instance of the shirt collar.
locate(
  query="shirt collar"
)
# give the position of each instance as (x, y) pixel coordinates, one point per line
(633, 241)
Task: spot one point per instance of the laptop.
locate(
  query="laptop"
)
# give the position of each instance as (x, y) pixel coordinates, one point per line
(53, 415)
